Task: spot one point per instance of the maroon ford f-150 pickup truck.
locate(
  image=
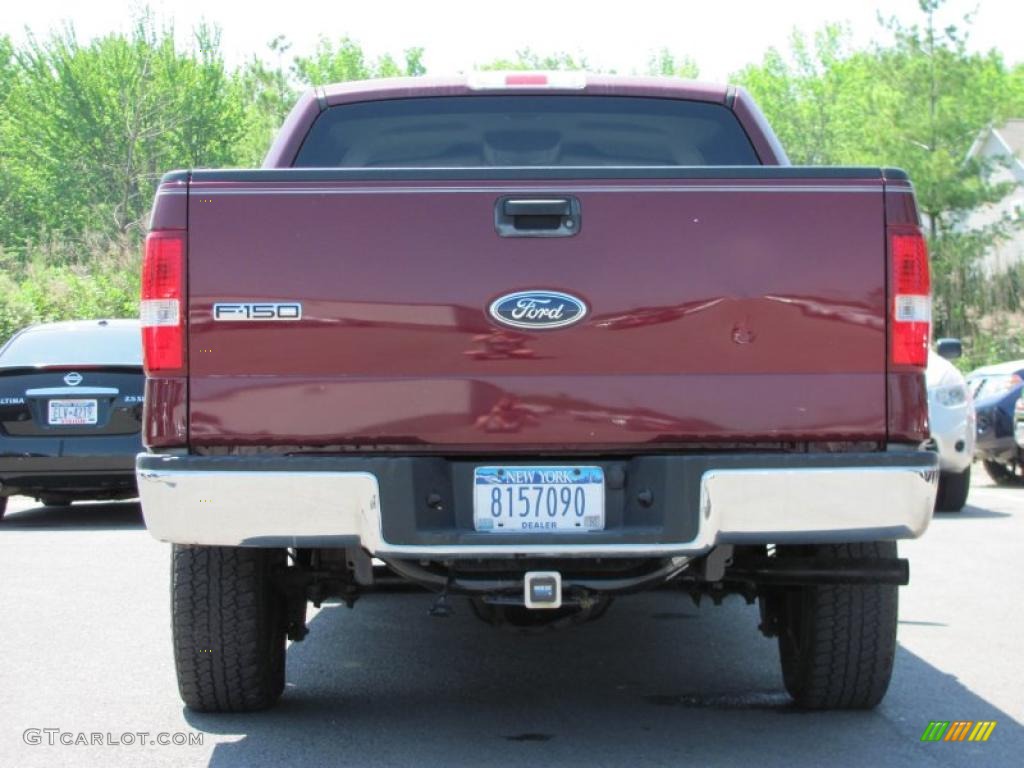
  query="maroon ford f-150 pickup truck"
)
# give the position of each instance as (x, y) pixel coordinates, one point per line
(534, 341)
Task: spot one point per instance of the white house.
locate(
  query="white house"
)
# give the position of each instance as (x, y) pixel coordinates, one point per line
(1004, 146)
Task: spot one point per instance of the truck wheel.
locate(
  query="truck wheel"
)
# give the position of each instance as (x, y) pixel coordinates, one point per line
(228, 622)
(3, 506)
(953, 490)
(837, 642)
(1000, 473)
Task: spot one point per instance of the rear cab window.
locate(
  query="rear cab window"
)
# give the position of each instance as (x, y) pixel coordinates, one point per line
(114, 346)
(504, 131)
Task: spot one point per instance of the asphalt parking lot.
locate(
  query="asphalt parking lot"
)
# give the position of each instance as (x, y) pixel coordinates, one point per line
(85, 648)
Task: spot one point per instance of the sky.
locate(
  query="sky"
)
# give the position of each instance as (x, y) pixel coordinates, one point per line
(721, 35)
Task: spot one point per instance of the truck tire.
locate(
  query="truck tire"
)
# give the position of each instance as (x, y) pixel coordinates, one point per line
(837, 642)
(1000, 473)
(228, 623)
(953, 490)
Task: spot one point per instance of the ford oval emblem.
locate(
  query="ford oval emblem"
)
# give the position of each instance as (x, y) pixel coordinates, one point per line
(537, 310)
(73, 379)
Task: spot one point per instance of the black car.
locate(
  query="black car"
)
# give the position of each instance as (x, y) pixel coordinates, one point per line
(70, 411)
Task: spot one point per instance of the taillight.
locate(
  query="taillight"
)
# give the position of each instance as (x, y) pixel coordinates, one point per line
(911, 300)
(161, 308)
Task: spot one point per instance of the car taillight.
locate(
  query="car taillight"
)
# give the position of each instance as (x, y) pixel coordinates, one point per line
(161, 309)
(911, 300)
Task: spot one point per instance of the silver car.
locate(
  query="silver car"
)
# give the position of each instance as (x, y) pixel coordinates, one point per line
(952, 420)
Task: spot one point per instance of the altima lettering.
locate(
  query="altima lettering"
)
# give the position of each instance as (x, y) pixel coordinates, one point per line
(528, 309)
(12, 400)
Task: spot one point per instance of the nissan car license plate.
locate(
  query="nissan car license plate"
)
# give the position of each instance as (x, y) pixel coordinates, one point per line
(72, 412)
(538, 499)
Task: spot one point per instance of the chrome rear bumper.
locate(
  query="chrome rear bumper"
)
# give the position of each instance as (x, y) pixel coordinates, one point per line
(235, 502)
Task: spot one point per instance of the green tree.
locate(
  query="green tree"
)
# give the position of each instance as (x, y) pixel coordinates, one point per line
(817, 99)
(1015, 91)
(345, 60)
(268, 94)
(664, 62)
(8, 160)
(7, 70)
(528, 59)
(89, 128)
(941, 97)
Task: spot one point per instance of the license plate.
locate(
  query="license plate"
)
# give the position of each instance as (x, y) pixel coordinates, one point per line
(538, 499)
(72, 412)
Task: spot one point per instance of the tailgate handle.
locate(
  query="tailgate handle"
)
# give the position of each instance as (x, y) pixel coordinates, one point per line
(537, 217)
(560, 207)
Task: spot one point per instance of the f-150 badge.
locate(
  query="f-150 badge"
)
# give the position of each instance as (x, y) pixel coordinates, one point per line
(537, 310)
(242, 311)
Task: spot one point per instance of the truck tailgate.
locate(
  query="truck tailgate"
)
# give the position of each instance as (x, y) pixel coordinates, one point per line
(720, 309)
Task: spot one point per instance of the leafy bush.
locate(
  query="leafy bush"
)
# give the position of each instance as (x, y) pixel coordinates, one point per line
(100, 282)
